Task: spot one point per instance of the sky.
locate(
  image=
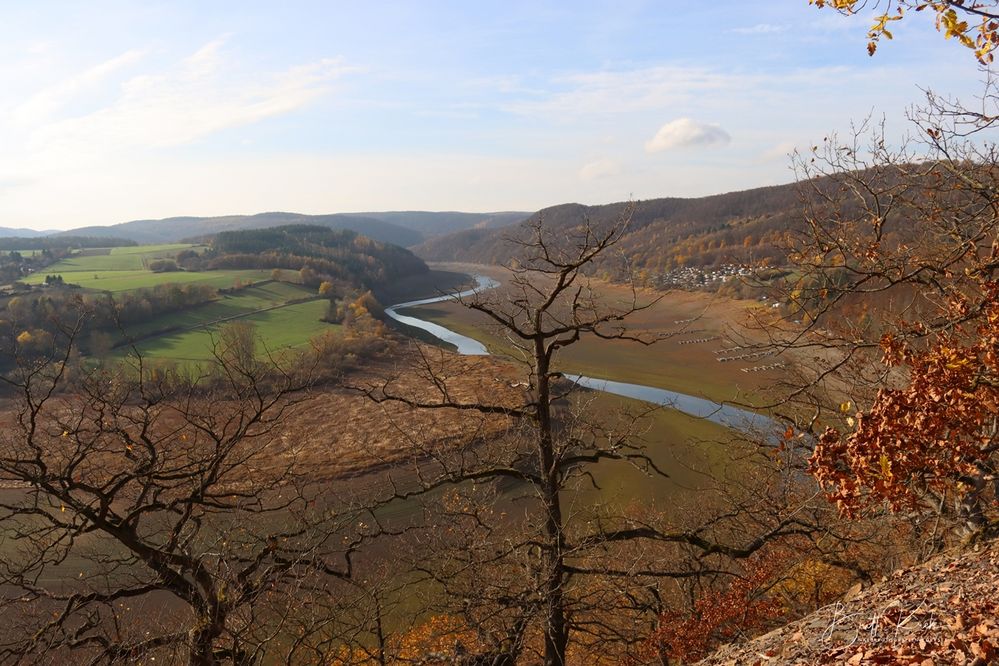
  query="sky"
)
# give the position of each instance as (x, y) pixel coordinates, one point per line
(112, 111)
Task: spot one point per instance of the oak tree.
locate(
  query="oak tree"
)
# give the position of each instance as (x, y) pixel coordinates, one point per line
(972, 23)
(511, 543)
(896, 288)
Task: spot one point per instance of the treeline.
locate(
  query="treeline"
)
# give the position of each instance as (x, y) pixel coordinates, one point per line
(62, 242)
(330, 254)
(14, 265)
(30, 323)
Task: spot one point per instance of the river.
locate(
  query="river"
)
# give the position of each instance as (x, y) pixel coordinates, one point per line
(738, 419)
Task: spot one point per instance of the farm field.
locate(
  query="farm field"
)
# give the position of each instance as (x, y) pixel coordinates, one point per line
(154, 251)
(187, 335)
(99, 260)
(124, 268)
(284, 327)
(127, 280)
(242, 302)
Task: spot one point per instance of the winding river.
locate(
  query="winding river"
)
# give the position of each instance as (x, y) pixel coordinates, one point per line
(731, 417)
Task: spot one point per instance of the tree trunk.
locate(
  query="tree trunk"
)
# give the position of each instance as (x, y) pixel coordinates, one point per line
(203, 642)
(556, 629)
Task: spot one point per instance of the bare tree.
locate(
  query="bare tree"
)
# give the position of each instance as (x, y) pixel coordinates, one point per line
(151, 514)
(521, 548)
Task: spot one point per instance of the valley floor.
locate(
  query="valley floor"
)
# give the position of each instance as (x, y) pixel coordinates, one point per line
(703, 333)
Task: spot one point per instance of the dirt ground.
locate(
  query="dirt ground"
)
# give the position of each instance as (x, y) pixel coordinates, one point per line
(341, 432)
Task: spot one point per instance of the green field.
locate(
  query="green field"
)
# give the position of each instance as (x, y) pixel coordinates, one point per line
(126, 280)
(106, 260)
(187, 335)
(124, 268)
(154, 251)
(282, 328)
(241, 303)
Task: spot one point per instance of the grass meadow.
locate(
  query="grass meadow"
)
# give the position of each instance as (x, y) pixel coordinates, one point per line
(126, 280)
(281, 322)
(282, 328)
(184, 336)
(119, 269)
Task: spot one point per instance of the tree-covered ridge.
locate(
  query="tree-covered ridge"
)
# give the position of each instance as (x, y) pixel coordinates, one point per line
(340, 254)
(669, 235)
(62, 242)
(662, 235)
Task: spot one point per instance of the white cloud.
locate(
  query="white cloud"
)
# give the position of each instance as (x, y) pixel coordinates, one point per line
(686, 133)
(197, 96)
(759, 29)
(598, 169)
(11, 182)
(779, 151)
(45, 103)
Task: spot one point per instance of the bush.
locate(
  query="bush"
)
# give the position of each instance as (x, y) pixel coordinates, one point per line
(163, 266)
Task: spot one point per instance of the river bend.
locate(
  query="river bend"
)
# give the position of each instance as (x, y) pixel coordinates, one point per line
(738, 419)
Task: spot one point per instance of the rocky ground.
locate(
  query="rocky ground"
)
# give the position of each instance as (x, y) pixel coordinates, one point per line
(943, 612)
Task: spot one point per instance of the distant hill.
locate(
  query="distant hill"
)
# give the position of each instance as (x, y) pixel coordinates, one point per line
(174, 229)
(662, 234)
(8, 232)
(403, 228)
(335, 254)
(63, 242)
(437, 223)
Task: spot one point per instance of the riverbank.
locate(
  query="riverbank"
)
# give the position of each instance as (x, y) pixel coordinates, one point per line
(731, 417)
(699, 326)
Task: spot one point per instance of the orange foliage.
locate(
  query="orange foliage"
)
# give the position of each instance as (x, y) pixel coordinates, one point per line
(931, 434)
(436, 641)
(980, 32)
(718, 616)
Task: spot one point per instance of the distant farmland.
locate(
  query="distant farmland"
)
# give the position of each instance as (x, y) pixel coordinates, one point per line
(118, 281)
(120, 269)
(285, 315)
(284, 327)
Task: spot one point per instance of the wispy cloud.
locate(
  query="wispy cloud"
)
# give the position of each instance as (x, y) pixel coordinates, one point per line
(759, 29)
(597, 169)
(781, 151)
(12, 182)
(197, 96)
(621, 91)
(686, 133)
(45, 103)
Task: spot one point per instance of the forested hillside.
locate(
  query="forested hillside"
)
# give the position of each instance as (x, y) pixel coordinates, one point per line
(7, 232)
(663, 234)
(340, 254)
(431, 223)
(62, 242)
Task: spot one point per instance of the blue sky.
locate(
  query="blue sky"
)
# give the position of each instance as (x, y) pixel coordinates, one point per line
(111, 111)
